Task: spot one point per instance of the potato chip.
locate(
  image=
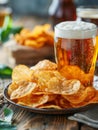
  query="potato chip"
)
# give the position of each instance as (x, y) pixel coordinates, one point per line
(80, 96)
(79, 74)
(23, 90)
(24, 32)
(41, 40)
(95, 98)
(45, 65)
(70, 87)
(33, 43)
(52, 97)
(33, 100)
(19, 39)
(50, 106)
(54, 82)
(21, 72)
(48, 81)
(13, 86)
(62, 102)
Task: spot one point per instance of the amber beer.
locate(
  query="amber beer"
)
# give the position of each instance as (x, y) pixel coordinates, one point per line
(76, 50)
(4, 11)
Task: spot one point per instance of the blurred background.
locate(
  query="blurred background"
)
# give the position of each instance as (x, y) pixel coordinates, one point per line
(40, 7)
(22, 14)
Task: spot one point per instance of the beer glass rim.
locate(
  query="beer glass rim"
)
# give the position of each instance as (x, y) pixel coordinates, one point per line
(75, 34)
(87, 11)
(87, 7)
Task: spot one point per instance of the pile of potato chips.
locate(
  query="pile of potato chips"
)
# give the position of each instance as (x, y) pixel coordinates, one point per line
(38, 37)
(42, 86)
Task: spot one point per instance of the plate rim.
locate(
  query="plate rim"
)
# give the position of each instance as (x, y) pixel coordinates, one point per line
(48, 111)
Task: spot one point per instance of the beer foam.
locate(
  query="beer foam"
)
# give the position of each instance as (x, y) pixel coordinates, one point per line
(91, 15)
(75, 30)
(87, 13)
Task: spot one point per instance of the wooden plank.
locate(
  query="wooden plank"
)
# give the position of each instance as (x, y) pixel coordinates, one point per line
(72, 125)
(31, 121)
(85, 127)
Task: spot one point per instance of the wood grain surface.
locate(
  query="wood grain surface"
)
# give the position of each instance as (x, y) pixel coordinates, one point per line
(31, 121)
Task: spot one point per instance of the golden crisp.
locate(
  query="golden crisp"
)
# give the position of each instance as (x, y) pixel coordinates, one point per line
(13, 86)
(53, 82)
(42, 86)
(33, 100)
(44, 65)
(41, 35)
(23, 90)
(21, 73)
(82, 95)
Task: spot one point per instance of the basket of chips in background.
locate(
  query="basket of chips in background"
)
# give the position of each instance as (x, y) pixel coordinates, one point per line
(30, 46)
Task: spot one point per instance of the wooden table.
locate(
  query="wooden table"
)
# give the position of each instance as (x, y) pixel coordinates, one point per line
(26, 120)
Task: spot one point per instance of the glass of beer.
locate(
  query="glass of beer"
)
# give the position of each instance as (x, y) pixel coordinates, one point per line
(4, 11)
(88, 14)
(76, 50)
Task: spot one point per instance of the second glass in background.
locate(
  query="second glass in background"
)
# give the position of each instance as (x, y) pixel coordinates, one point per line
(5, 10)
(88, 14)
